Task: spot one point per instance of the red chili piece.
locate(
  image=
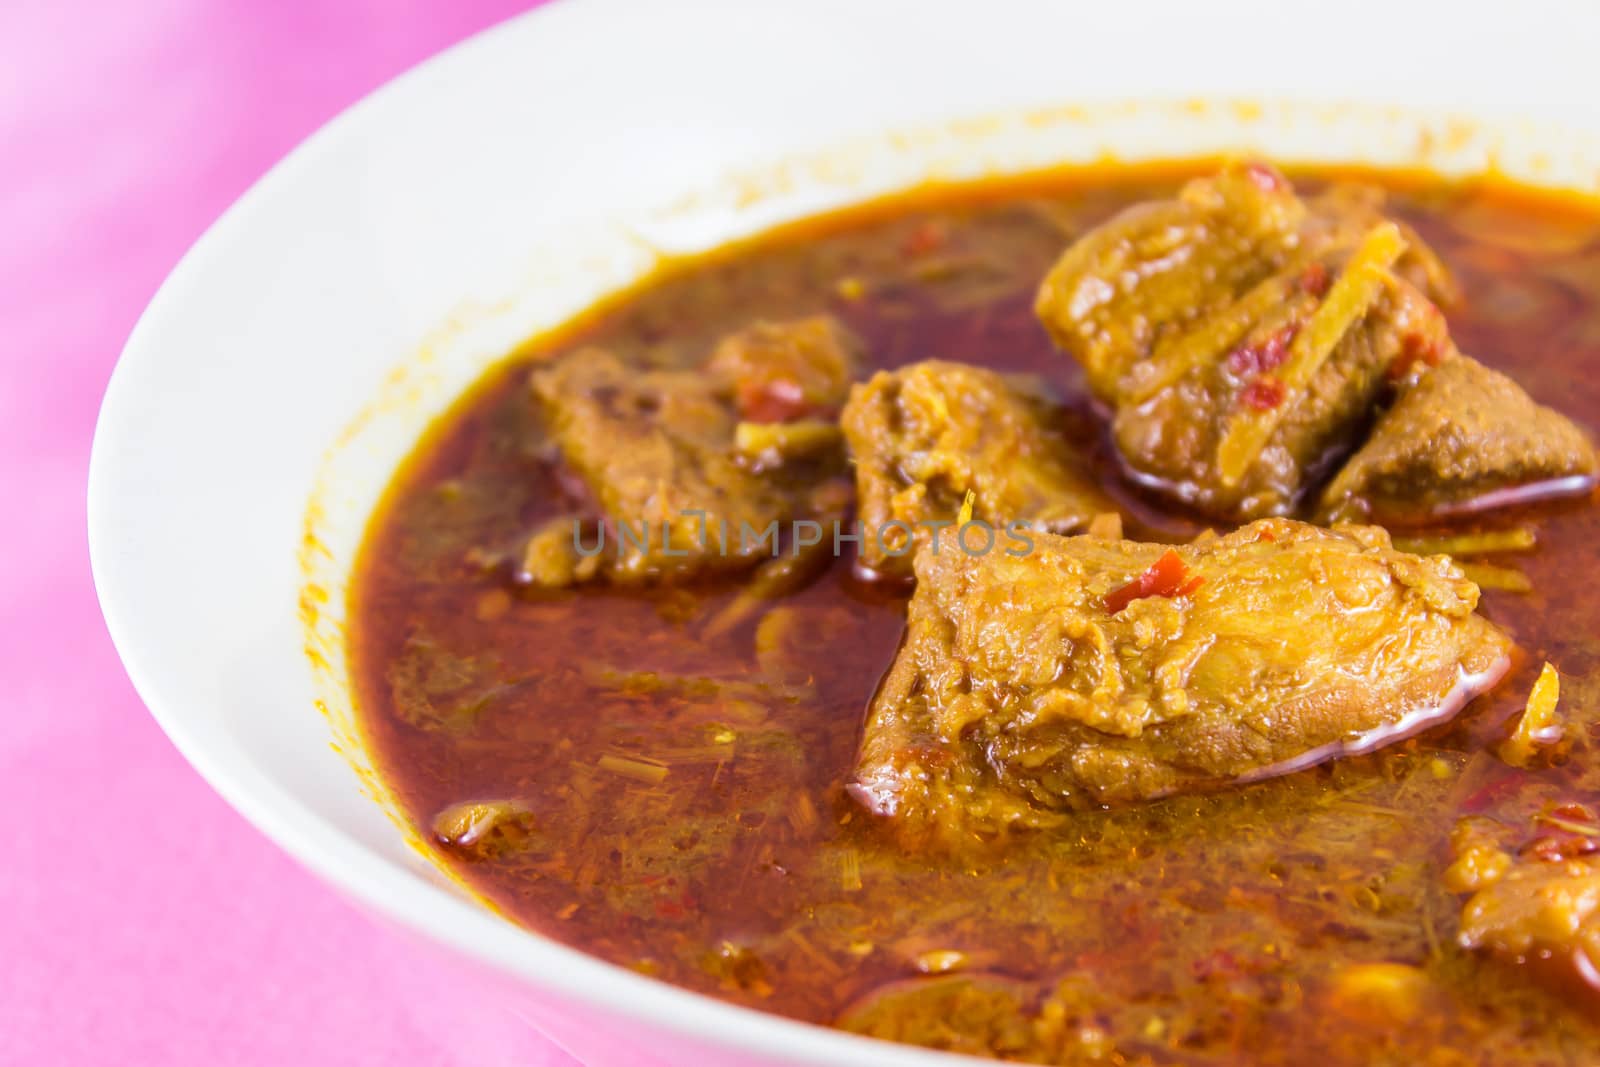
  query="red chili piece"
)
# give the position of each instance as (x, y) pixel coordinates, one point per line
(1314, 279)
(1414, 349)
(1263, 394)
(927, 237)
(1267, 354)
(1554, 848)
(1574, 812)
(778, 400)
(1488, 794)
(1267, 178)
(1168, 576)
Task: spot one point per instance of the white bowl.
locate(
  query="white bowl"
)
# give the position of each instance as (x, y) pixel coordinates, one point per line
(296, 353)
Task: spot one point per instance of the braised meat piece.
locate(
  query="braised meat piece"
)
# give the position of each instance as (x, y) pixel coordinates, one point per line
(924, 436)
(1090, 671)
(1247, 434)
(1461, 438)
(1127, 289)
(675, 484)
(1539, 904)
(1243, 336)
(781, 371)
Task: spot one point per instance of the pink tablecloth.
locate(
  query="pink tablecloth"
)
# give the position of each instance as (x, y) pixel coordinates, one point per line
(141, 921)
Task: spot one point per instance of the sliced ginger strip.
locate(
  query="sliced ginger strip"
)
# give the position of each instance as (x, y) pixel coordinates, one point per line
(1539, 725)
(1349, 298)
(1476, 543)
(1208, 340)
(1494, 576)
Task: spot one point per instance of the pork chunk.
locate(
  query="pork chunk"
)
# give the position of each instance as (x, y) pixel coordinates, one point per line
(1248, 434)
(1138, 281)
(1243, 337)
(1091, 671)
(656, 456)
(780, 371)
(1461, 438)
(923, 436)
(1539, 905)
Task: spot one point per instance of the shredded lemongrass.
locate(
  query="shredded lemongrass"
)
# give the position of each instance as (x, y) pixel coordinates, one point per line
(850, 870)
(1357, 286)
(815, 954)
(715, 752)
(1431, 936)
(697, 687)
(1491, 576)
(775, 633)
(1373, 809)
(1538, 726)
(802, 814)
(636, 769)
(1481, 543)
(776, 577)
(1570, 825)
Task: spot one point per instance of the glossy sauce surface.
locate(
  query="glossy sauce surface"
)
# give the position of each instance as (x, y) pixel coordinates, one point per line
(1206, 927)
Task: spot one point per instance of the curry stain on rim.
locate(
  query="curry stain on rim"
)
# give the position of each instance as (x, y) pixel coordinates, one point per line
(1517, 156)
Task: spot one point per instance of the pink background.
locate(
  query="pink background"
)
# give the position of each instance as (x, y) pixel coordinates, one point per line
(141, 920)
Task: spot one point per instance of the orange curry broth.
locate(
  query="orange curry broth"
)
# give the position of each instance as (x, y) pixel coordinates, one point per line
(1211, 926)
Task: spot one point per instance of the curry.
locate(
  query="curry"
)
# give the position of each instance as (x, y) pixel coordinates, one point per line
(1132, 615)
